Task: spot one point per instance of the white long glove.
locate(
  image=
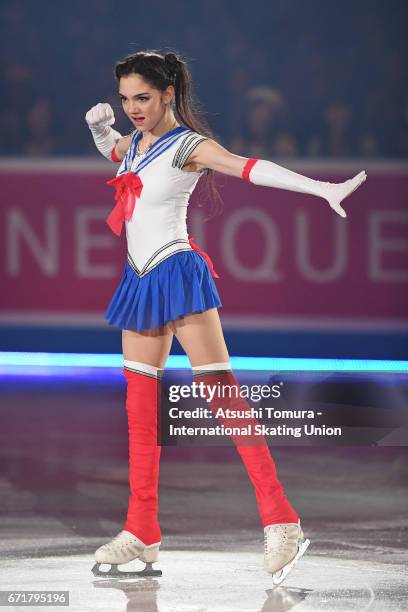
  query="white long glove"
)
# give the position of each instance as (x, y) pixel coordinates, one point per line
(99, 119)
(269, 174)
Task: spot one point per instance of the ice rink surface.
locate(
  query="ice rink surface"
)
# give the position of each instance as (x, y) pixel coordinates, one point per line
(64, 491)
(217, 581)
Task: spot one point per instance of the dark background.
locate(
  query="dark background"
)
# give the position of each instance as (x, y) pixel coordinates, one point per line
(333, 75)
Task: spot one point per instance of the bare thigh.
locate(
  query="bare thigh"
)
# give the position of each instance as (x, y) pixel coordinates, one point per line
(201, 337)
(150, 346)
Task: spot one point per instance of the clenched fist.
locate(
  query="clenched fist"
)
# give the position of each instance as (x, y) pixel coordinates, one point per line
(100, 115)
(99, 119)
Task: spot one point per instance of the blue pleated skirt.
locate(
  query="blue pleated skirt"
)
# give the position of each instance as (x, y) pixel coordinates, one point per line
(179, 285)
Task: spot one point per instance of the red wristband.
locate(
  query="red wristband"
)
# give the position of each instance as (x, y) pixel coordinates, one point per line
(248, 167)
(114, 157)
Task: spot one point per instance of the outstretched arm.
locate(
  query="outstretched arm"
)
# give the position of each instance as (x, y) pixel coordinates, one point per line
(210, 154)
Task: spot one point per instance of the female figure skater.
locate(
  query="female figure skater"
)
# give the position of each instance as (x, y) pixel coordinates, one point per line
(167, 288)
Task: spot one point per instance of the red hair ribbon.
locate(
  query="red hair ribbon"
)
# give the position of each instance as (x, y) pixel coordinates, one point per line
(205, 256)
(128, 188)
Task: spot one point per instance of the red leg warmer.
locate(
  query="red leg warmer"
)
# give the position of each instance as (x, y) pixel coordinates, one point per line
(273, 505)
(144, 452)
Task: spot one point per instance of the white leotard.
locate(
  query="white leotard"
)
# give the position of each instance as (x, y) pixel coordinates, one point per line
(158, 225)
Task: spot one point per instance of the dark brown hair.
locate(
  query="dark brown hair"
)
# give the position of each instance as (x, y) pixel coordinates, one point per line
(160, 71)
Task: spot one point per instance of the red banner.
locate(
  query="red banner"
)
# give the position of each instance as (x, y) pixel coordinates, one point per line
(284, 258)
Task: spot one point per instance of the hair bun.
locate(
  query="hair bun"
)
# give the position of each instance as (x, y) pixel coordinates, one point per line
(172, 63)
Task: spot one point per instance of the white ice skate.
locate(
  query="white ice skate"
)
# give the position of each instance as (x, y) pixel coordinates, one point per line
(284, 544)
(126, 547)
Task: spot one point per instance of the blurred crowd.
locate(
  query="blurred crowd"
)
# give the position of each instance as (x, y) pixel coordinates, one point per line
(281, 78)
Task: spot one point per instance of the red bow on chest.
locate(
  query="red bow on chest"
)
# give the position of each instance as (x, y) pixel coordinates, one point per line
(128, 187)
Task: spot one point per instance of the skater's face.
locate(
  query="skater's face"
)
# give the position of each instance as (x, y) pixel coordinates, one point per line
(139, 99)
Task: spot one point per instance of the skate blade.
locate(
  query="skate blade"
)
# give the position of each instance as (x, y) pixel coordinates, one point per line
(114, 572)
(279, 577)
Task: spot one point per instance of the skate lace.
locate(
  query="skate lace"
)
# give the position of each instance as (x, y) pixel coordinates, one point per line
(120, 538)
(279, 545)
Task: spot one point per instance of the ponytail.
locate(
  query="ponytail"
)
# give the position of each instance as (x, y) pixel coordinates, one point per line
(160, 71)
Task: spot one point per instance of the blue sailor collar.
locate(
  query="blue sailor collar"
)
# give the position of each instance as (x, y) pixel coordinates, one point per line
(158, 147)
